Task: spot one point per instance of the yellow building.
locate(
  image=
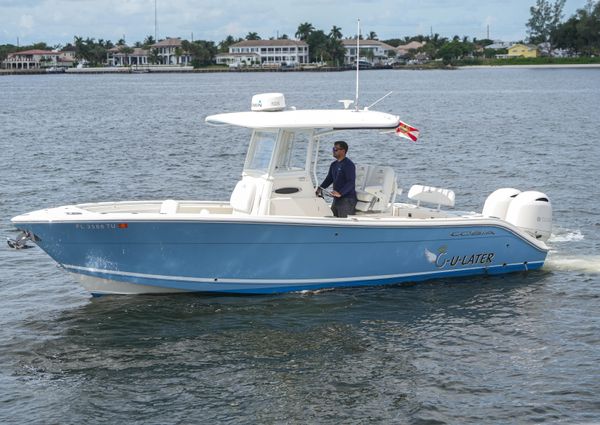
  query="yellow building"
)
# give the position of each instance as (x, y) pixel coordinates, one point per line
(523, 51)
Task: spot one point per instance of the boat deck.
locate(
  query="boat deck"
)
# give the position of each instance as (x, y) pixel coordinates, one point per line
(210, 208)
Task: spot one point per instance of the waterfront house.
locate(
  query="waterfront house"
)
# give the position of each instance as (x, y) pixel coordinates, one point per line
(523, 51)
(235, 60)
(38, 59)
(266, 53)
(406, 50)
(117, 56)
(170, 52)
(499, 45)
(373, 51)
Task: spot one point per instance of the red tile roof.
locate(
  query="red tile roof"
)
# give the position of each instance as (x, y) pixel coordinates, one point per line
(36, 52)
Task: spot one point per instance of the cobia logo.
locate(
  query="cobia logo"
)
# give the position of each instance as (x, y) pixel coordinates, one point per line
(441, 259)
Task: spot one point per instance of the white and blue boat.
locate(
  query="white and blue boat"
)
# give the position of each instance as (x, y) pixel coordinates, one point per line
(273, 233)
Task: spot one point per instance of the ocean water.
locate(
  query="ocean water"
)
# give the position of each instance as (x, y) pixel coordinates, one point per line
(520, 348)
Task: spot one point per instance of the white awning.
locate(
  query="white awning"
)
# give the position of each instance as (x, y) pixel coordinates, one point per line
(320, 119)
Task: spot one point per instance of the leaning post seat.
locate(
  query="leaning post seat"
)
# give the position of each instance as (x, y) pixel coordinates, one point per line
(376, 187)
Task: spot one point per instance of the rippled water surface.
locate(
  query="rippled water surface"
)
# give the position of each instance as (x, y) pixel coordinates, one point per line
(520, 348)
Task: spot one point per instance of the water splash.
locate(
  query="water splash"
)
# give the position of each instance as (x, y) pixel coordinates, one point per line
(566, 235)
(573, 263)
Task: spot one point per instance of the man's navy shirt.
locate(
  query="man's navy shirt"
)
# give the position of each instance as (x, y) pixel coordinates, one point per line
(343, 176)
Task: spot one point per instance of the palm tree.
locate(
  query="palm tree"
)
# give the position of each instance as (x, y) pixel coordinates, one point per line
(335, 33)
(178, 53)
(149, 41)
(153, 56)
(372, 36)
(224, 44)
(252, 36)
(304, 31)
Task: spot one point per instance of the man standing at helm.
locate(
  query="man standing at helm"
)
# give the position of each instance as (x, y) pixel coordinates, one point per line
(342, 173)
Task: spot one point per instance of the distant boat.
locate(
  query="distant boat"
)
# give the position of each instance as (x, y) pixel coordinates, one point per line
(55, 70)
(363, 64)
(275, 234)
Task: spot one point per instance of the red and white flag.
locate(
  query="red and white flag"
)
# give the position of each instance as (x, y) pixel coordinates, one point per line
(407, 131)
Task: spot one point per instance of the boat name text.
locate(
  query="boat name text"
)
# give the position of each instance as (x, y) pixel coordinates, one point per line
(472, 233)
(463, 260)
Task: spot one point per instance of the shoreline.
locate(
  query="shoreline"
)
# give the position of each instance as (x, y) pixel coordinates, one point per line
(179, 70)
(546, 66)
(163, 70)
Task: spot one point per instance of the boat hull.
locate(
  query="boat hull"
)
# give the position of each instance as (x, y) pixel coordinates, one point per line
(263, 257)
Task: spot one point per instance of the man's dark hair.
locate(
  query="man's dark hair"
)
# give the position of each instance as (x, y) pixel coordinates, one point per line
(342, 144)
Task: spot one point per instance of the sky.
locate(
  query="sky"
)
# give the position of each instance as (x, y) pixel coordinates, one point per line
(57, 21)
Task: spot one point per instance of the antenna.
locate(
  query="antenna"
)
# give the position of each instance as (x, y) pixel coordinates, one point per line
(155, 24)
(357, 63)
(377, 101)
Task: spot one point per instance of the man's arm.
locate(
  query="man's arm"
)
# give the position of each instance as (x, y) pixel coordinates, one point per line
(328, 180)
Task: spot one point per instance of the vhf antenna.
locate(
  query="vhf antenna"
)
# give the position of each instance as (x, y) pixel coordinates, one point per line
(357, 62)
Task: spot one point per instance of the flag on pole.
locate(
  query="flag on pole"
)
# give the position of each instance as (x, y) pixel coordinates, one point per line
(407, 131)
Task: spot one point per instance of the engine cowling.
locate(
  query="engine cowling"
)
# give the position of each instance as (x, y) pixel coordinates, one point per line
(497, 203)
(532, 212)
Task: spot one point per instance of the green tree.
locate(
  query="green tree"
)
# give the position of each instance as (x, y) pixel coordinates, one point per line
(94, 53)
(149, 41)
(202, 52)
(450, 51)
(178, 53)
(224, 44)
(336, 51)
(153, 57)
(545, 19)
(252, 36)
(581, 32)
(372, 36)
(318, 46)
(304, 31)
(335, 33)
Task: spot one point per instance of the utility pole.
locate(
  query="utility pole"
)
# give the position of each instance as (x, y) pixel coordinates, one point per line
(488, 31)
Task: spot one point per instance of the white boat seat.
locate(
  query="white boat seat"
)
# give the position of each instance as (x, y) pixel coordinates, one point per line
(431, 195)
(376, 187)
(169, 207)
(366, 200)
(242, 197)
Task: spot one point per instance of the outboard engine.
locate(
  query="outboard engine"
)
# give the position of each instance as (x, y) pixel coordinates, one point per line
(497, 203)
(532, 212)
